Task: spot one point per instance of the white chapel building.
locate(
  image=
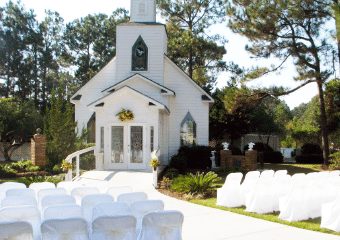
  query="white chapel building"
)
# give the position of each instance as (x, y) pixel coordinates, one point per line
(169, 109)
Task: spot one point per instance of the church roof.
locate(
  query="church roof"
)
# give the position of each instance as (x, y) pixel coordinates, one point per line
(152, 102)
(164, 90)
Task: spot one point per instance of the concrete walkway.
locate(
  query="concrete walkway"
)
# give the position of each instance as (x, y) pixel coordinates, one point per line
(204, 223)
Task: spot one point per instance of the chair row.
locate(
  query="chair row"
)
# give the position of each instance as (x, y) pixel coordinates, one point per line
(155, 226)
(298, 197)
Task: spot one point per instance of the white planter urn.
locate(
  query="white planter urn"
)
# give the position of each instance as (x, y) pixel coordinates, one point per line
(251, 146)
(225, 146)
(155, 178)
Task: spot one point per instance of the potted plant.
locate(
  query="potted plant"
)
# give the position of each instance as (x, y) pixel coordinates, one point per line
(67, 168)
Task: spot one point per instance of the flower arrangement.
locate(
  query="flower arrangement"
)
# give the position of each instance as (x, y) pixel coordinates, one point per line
(66, 166)
(154, 163)
(125, 115)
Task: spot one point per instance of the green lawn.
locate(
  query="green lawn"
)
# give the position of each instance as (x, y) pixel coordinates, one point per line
(313, 224)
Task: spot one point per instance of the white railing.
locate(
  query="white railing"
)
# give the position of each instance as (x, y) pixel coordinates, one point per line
(76, 155)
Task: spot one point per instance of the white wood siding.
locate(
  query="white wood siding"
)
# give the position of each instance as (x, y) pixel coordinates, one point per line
(154, 37)
(91, 91)
(188, 99)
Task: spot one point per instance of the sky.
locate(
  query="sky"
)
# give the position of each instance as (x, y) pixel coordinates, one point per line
(73, 9)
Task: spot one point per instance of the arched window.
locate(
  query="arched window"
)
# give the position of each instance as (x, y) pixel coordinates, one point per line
(188, 131)
(139, 55)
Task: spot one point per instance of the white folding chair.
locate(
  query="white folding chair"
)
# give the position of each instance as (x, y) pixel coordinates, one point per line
(111, 210)
(80, 192)
(26, 213)
(141, 208)
(69, 186)
(90, 201)
(20, 192)
(16, 231)
(116, 191)
(330, 215)
(267, 174)
(248, 184)
(56, 200)
(41, 185)
(229, 195)
(292, 206)
(16, 201)
(64, 229)
(335, 173)
(165, 225)
(62, 212)
(114, 228)
(280, 173)
(130, 198)
(9, 185)
(49, 192)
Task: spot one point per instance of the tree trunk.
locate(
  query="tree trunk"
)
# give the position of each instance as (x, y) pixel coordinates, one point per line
(191, 54)
(323, 123)
(336, 9)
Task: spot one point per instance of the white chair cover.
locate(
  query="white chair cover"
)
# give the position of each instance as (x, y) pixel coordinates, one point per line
(16, 231)
(16, 201)
(41, 185)
(261, 198)
(335, 173)
(267, 173)
(90, 201)
(56, 200)
(165, 225)
(292, 206)
(64, 229)
(111, 210)
(62, 212)
(229, 195)
(116, 191)
(50, 191)
(281, 188)
(27, 213)
(248, 184)
(130, 198)
(114, 228)
(80, 192)
(330, 215)
(141, 208)
(69, 186)
(20, 192)
(9, 185)
(280, 173)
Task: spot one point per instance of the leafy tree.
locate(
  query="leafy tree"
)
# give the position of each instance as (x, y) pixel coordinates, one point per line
(285, 29)
(92, 42)
(59, 128)
(18, 121)
(190, 46)
(333, 110)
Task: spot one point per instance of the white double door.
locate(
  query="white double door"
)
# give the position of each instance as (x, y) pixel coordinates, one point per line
(128, 146)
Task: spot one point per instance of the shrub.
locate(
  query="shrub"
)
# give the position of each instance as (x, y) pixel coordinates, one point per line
(309, 158)
(179, 162)
(53, 179)
(198, 157)
(335, 161)
(310, 153)
(25, 166)
(272, 157)
(199, 183)
(171, 173)
(6, 171)
(311, 148)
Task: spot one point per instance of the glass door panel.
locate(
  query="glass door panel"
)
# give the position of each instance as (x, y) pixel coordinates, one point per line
(117, 144)
(136, 144)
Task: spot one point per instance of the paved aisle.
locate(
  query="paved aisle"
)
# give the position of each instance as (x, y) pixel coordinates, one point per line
(203, 223)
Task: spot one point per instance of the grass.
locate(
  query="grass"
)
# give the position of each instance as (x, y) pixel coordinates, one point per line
(313, 224)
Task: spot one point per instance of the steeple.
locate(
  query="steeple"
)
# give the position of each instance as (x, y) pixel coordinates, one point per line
(143, 11)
